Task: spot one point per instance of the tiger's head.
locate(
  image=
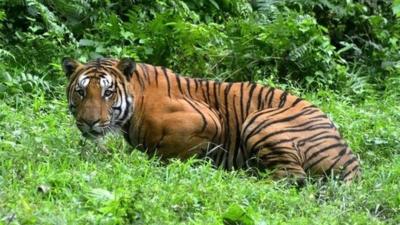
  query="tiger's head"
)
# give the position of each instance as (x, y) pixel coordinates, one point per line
(98, 94)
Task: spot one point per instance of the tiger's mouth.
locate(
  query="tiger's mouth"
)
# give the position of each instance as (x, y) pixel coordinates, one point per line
(93, 134)
(95, 131)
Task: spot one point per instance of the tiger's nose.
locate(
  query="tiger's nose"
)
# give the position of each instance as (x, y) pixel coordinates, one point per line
(91, 123)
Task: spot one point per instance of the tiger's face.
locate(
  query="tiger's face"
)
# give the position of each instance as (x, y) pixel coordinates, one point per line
(98, 94)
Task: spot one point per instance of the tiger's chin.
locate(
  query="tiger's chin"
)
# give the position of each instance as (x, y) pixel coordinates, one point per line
(96, 133)
(93, 134)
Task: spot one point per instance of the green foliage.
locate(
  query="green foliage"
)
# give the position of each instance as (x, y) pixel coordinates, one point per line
(236, 214)
(364, 33)
(351, 46)
(396, 7)
(21, 84)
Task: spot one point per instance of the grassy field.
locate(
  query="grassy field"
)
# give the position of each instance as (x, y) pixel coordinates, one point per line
(49, 175)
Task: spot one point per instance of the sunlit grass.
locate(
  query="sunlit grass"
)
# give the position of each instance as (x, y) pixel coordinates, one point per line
(49, 176)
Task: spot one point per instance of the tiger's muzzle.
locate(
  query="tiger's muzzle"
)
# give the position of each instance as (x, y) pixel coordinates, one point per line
(93, 128)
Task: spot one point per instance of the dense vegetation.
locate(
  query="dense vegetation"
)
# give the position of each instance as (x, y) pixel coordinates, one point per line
(344, 56)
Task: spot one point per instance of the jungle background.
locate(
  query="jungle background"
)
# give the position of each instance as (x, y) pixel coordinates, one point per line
(342, 55)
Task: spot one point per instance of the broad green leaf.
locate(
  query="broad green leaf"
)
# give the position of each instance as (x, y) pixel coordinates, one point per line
(396, 7)
(236, 214)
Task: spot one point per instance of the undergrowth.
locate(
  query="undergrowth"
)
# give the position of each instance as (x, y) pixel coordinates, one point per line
(49, 175)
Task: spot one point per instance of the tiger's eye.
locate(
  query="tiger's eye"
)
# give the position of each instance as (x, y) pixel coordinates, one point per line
(80, 92)
(108, 93)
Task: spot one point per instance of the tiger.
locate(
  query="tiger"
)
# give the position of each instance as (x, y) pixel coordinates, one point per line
(235, 125)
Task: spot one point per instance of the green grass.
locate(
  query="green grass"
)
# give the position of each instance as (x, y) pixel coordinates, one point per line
(48, 175)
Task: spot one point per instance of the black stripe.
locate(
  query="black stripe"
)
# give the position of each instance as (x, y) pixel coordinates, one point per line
(205, 97)
(114, 84)
(196, 84)
(188, 86)
(264, 98)
(271, 97)
(259, 98)
(126, 111)
(138, 77)
(146, 72)
(167, 79)
(253, 86)
(285, 131)
(317, 153)
(349, 172)
(236, 149)
(307, 139)
(338, 157)
(217, 94)
(228, 139)
(296, 102)
(139, 123)
(283, 99)
(273, 145)
(311, 138)
(77, 73)
(266, 123)
(319, 117)
(349, 162)
(312, 146)
(276, 162)
(280, 152)
(216, 129)
(206, 91)
(156, 72)
(119, 95)
(311, 106)
(241, 102)
(315, 163)
(203, 93)
(267, 96)
(325, 137)
(178, 81)
(313, 122)
(254, 117)
(128, 105)
(116, 108)
(199, 112)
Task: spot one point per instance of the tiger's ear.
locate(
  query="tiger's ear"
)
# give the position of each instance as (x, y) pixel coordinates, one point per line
(127, 66)
(69, 65)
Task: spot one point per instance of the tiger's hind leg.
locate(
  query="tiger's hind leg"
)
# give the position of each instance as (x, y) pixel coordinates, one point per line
(282, 161)
(262, 139)
(296, 141)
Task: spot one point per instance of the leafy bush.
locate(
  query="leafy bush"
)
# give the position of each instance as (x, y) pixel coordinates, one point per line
(365, 33)
(348, 46)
